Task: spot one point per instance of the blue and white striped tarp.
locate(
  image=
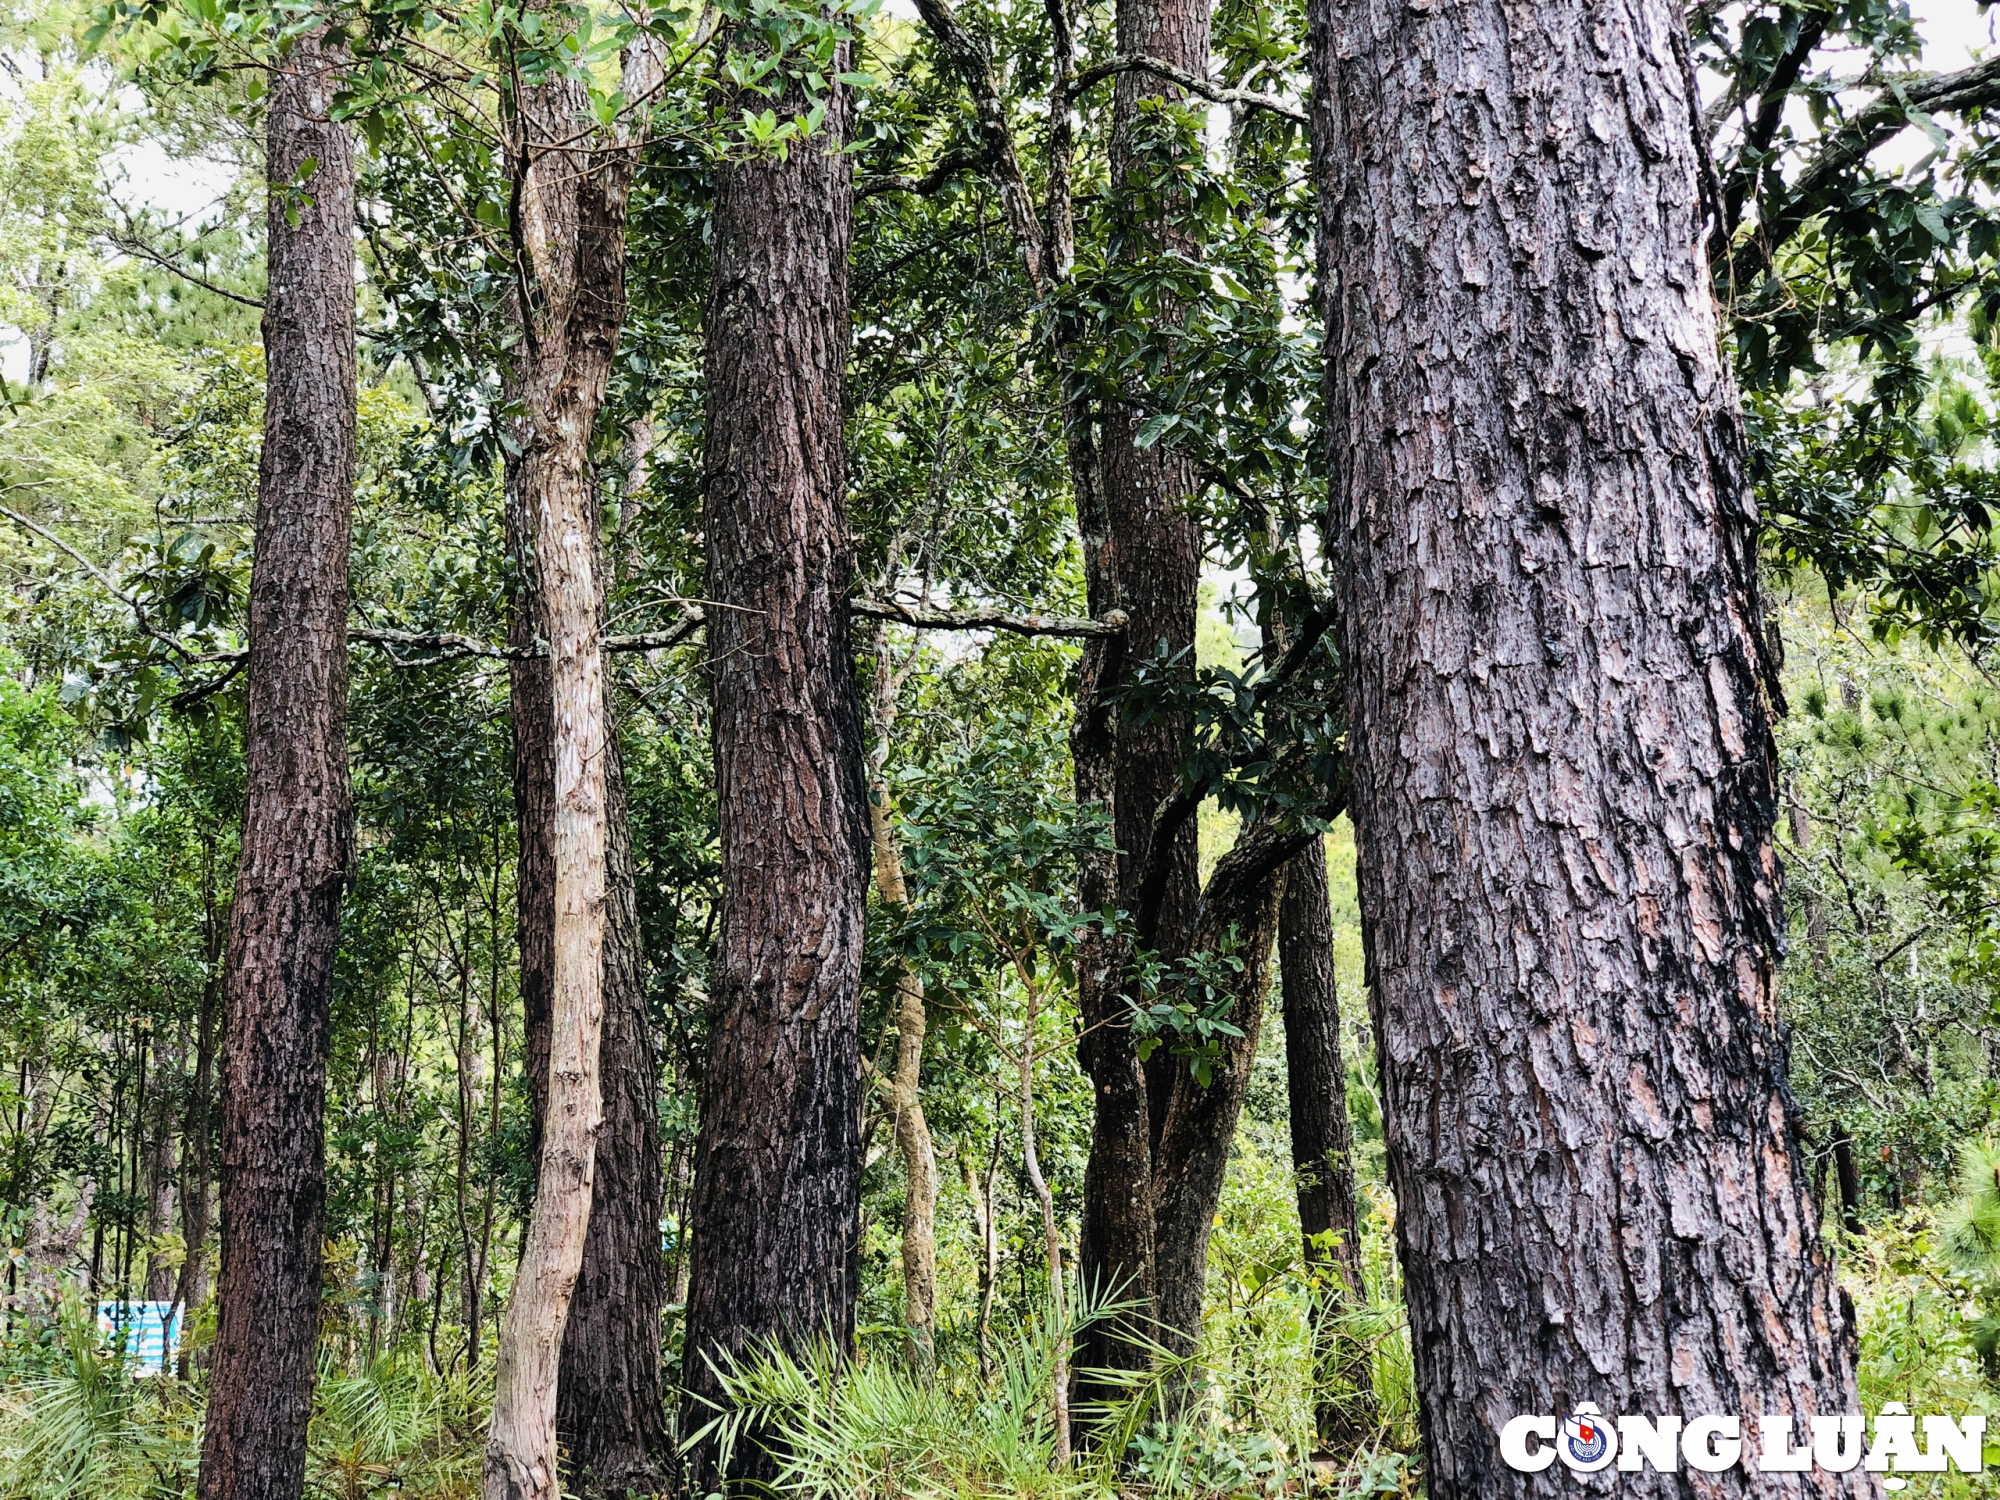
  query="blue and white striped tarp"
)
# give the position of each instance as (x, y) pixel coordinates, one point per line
(152, 1332)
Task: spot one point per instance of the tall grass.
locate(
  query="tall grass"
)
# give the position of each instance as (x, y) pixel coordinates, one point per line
(873, 1429)
(75, 1424)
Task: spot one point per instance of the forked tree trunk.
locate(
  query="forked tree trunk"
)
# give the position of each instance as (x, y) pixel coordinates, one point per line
(1199, 1127)
(775, 1208)
(1562, 767)
(298, 821)
(1323, 1148)
(571, 251)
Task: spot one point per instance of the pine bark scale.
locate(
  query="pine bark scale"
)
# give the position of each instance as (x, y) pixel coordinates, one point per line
(1561, 755)
(298, 819)
(775, 1207)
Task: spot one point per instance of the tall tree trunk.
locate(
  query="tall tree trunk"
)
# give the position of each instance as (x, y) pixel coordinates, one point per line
(531, 712)
(610, 1408)
(1148, 565)
(1323, 1146)
(904, 1084)
(611, 1414)
(1199, 1127)
(775, 1210)
(570, 252)
(298, 823)
(1562, 770)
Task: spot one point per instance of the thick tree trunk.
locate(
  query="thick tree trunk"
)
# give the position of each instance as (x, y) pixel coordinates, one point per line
(1200, 1120)
(776, 1203)
(1561, 756)
(298, 826)
(1323, 1146)
(571, 249)
(1148, 565)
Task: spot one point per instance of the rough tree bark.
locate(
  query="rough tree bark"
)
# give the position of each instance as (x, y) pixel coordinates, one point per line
(1562, 768)
(1148, 564)
(1322, 1142)
(776, 1202)
(298, 823)
(570, 254)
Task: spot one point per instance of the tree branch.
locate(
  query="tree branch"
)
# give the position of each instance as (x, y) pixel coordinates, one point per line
(110, 586)
(924, 618)
(132, 245)
(1875, 123)
(948, 166)
(968, 59)
(1173, 813)
(1194, 83)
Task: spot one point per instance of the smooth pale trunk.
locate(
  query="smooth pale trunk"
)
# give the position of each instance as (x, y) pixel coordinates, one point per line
(572, 238)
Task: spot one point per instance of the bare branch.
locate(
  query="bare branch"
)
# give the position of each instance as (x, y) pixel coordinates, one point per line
(923, 618)
(131, 244)
(110, 586)
(658, 640)
(1194, 83)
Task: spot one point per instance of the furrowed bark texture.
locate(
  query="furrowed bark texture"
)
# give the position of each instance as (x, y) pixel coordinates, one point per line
(1323, 1143)
(1561, 757)
(570, 246)
(1147, 564)
(776, 1199)
(298, 821)
(1199, 1126)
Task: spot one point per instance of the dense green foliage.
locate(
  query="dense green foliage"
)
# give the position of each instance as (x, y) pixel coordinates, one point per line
(1864, 312)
